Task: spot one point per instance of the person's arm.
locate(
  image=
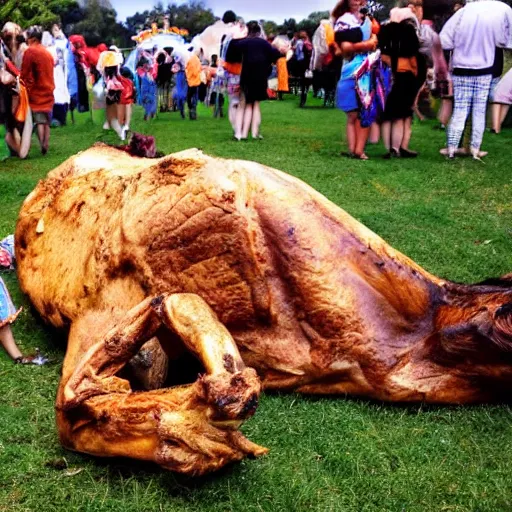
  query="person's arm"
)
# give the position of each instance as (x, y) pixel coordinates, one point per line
(369, 45)
(447, 35)
(12, 68)
(26, 71)
(440, 65)
(505, 41)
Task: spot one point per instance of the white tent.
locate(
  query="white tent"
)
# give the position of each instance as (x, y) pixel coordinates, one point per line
(159, 41)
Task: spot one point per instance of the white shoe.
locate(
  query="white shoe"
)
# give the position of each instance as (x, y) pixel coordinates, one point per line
(106, 125)
(477, 154)
(122, 135)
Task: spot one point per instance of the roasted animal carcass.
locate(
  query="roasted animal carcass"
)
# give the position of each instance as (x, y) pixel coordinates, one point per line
(147, 260)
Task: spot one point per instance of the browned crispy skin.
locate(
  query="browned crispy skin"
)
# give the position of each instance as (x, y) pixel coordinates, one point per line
(315, 301)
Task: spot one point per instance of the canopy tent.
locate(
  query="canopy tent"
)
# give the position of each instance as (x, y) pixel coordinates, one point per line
(160, 41)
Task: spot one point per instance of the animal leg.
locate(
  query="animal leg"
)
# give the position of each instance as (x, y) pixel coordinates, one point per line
(228, 384)
(190, 429)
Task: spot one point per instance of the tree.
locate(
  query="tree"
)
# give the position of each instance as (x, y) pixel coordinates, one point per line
(288, 26)
(99, 24)
(192, 16)
(310, 24)
(270, 27)
(34, 12)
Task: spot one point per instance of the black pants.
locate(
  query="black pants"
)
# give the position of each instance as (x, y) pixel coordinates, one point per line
(192, 97)
(192, 101)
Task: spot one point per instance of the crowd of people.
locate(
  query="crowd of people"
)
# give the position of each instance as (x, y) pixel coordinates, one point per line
(373, 72)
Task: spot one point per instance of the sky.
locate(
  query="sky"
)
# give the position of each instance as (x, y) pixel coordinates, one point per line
(247, 9)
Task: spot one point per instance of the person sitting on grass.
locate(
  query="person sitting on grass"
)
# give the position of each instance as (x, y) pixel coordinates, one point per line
(8, 312)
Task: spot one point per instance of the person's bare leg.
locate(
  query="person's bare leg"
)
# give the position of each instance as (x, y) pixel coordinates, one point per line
(386, 134)
(13, 142)
(407, 133)
(374, 134)
(351, 131)
(7, 341)
(232, 112)
(503, 114)
(496, 116)
(239, 119)
(256, 120)
(247, 120)
(46, 136)
(111, 112)
(361, 138)
(121, 113)
(397, 134)
(127, 116)
(445, 112)
(41, 137)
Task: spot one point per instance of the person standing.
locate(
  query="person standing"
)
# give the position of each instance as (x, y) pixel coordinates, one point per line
(502, 101)
(37, 74)
(354, 39)
(193, 70)
(472, 34)
(257, 56)
(303, 54)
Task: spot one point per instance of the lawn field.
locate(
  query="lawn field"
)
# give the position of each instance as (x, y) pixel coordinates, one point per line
(326, 454)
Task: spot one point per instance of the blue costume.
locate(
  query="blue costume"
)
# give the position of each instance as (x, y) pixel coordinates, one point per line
(180, 93)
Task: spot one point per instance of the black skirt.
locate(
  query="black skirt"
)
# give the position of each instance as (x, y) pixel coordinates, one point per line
(254, 82)
(401, 98)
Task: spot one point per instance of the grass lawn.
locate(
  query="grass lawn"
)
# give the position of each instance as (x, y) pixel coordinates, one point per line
(326, 454)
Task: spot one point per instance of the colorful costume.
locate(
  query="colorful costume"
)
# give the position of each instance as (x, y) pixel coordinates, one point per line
(146, 72)
(180, 91)
(348, 28)
(373, 82)
(8, 312)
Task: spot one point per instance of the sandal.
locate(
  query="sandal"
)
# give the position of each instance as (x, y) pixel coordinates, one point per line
(362, 156)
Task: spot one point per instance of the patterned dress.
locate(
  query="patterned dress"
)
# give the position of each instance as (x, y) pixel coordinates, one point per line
(8, 311)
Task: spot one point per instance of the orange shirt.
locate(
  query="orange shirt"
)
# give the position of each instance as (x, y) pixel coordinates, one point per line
(233, 68)
(193, 71)
(37, 73)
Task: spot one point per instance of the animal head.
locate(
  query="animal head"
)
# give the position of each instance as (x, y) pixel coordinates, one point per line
(474, 325)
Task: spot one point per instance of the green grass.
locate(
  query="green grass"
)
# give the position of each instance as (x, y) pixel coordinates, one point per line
(328, 454)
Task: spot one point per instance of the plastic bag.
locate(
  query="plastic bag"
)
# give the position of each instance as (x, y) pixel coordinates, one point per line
(98, 94)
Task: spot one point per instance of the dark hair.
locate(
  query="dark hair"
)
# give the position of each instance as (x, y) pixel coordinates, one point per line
(340, 9)
(253, 28)
(229, 17)
(35, 32)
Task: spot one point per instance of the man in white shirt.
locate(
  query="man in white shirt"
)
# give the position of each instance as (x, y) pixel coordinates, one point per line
(472, 34)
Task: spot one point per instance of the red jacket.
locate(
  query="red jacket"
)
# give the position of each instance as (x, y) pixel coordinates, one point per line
(37, 73)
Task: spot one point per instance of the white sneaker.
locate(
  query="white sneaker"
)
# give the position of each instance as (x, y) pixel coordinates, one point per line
(106, 125)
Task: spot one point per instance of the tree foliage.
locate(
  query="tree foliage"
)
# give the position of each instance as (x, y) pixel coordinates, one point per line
(34, 12)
